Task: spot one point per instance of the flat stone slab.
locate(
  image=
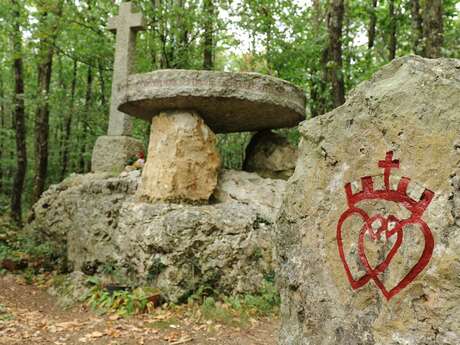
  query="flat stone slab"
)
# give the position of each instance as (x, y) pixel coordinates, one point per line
(228, 102)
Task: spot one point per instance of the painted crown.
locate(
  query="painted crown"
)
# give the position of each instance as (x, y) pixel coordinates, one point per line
(399, 195)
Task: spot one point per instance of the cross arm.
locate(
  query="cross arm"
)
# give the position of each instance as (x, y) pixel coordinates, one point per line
(112, 24)
(125, 18)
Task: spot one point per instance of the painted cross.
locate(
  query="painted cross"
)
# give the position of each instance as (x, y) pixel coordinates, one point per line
(125, 25)
(387, 165)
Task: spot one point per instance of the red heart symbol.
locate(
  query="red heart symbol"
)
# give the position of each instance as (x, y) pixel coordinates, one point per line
(400, 196)
(414, 271)
(367, 227)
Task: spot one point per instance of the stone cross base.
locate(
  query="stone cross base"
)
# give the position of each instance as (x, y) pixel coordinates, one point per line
(111, 153)
(183, 162)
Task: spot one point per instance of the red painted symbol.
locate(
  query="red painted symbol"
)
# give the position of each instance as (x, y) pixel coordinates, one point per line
(377, 226)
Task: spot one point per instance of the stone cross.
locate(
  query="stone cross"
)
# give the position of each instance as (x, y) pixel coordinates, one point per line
(126, 24)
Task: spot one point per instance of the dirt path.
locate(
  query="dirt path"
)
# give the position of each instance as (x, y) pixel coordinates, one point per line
(28, 315)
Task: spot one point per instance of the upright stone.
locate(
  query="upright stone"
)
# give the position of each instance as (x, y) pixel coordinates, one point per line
(111, 152)
(183, 162)
(125, 25)
(368, 238)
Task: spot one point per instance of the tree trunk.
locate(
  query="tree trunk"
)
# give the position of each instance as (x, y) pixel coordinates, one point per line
(59, 128)
(179, 50)
(2, 127)
(46, 52)
(372, 25)
(334, 64)
(83, 162)
(417, 27)
(392, 42)
(19, 119)
(68, 123)
(267, 12)
(102, 85)
(163, 57)
(433, 28)
(318, 72)
(208, 34)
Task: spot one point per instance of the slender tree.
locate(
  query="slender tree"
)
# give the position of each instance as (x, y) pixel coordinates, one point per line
(162, 57)
(2, 128)
(68, 123)
(433, 28)
(318, 85)
(208, 43)
(334, 62)
(83, 162)
(49, 29)
(372, 24)
(268, 26)
(417, 26)
(392, 39)
(19, 117)
(102, 84)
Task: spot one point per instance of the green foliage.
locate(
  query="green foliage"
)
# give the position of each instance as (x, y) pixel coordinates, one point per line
(4, 315)
(123, 302)
(235, 310)
(21, 251)
(232, 149)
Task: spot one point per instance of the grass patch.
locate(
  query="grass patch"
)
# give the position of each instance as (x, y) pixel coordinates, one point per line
(124, 301)
(4, 315)
(238, 310)
(20, 251)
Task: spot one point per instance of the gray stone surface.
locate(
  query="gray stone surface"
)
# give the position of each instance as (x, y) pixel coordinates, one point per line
(262, 194)
(183, 161)
(111, 153)
(126, 24)
(178, 248)
(228, 102)
(270, 155)
(410, 107)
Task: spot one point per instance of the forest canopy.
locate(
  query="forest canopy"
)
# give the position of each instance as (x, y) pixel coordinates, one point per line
(57, 61)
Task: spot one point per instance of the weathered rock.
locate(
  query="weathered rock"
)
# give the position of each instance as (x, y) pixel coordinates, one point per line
(263, 194)
(179, 248)
(228, 102)
(111, 153)
(183, 162)
(270, 155)
(412, 108)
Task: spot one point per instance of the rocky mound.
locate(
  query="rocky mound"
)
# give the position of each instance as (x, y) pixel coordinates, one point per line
(102, 227)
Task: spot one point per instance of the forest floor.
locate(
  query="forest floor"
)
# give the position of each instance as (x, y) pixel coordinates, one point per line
(29, 315)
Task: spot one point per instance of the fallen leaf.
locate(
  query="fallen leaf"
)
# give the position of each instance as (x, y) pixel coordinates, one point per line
(114, 317)
(95, 334)
(182, 341)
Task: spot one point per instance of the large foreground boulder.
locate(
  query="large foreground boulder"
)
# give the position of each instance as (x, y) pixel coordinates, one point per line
(101, 225)
(368, 238)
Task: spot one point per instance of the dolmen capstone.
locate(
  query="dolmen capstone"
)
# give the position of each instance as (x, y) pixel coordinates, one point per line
(186, 108)
(368, 237)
